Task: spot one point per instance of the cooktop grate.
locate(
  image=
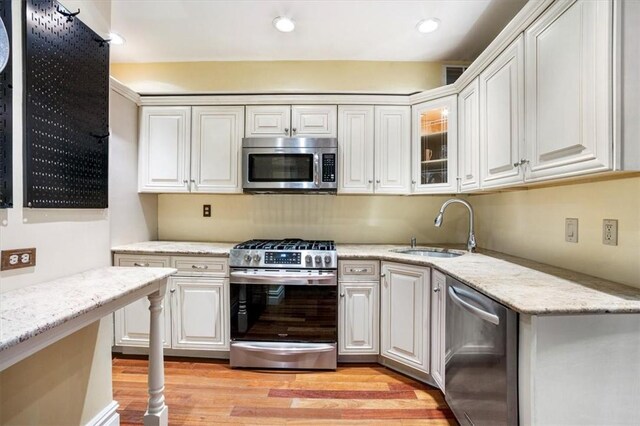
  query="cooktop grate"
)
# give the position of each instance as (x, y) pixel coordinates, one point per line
(287, 244)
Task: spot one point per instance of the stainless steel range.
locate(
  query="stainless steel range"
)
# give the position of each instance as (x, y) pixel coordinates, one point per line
(284, 304)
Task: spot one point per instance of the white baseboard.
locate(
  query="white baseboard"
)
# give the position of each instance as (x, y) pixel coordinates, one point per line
(107, 417)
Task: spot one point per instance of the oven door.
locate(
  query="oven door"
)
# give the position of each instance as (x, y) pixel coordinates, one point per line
(284, 319)
(282, 169)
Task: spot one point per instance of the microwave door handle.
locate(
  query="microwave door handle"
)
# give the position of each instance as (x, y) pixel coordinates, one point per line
(316, 169)
(493, 319)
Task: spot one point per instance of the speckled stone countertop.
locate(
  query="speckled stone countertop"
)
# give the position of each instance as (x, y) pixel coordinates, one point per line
(176, 247)
(33, 310)
(525, 286)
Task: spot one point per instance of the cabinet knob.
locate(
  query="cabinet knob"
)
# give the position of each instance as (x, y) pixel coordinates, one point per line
(294, 130)
(413, 182)
(341, 294)
(370, 180)
(377, 180)
(286, 130)
(437, 289)
(522, 162)
(186, 182)
(382, 275)
(173, 290)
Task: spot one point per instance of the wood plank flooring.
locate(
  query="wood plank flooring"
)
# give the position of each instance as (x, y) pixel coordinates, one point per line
(209, 392)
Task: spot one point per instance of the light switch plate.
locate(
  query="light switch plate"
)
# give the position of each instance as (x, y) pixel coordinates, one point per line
(610, 232)
(571, 230)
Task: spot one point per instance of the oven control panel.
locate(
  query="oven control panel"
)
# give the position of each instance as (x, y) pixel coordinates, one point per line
(281, 258)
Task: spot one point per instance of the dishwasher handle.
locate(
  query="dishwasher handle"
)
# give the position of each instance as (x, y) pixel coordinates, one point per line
(484, 315)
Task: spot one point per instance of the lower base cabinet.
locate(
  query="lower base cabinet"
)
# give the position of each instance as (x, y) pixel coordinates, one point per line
(132, 323)
(438, 311)
(358, 318)
(404, 325)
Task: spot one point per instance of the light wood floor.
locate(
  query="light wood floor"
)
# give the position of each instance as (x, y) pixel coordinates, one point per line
(207, 392)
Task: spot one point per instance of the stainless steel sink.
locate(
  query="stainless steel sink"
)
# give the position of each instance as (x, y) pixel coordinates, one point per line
(430, 252)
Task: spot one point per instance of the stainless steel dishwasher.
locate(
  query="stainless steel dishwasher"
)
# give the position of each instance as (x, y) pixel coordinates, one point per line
(481, 363)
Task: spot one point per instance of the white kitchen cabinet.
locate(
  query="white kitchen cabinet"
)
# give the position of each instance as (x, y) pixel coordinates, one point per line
(177, 155)
(438, 349)
(404, 314)
(355, 149)
(392, 150)
(469, 137)
(165, 149)
(308, 121)
(502, 118)
(358, 322)
(568, 90)
(435, 144)
(200, 313)
(216, 149)
(196, 306)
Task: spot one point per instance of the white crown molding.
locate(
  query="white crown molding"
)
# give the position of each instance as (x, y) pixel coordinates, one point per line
(517, 25)
(271, 99)
(123, 90)
(433, 94)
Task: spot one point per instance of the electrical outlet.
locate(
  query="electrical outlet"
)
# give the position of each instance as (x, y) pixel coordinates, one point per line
(206, 210)
(610, 232)
(571, 230)
(15, 259)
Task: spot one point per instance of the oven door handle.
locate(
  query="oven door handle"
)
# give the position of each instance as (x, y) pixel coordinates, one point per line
(284, 278)
(291, 350)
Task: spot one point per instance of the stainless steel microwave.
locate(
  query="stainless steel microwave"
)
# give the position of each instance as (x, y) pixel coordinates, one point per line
(289, 165)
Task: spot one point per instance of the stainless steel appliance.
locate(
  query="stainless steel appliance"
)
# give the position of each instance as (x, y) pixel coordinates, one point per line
(481, 364)
(284, 304)
(289, 165)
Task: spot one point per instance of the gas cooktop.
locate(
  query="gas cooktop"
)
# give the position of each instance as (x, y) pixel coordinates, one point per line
(290, 253)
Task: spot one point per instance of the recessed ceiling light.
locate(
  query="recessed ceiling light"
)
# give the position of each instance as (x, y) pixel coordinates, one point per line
(428, 25)
(284, 24)
(116, 39)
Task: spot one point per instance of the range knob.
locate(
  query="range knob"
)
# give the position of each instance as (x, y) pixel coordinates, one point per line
(327, 259)
(256, 257)
(308, 258)
(247, 258)
(319, 259)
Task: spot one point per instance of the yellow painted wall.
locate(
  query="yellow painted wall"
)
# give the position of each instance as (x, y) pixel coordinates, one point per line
(279, 76)
(343, 218)
(66, 383)
(530, 224)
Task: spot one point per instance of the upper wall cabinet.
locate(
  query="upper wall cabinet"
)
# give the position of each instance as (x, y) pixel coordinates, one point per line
(164, 149)
(502, 118)
(305, 121)
(177, 155)
(568, 90)
(435, 144)
(392, 149)
(355, 149)
(469, 137)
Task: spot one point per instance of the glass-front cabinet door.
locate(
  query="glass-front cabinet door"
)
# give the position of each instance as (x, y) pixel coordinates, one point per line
(435, 146)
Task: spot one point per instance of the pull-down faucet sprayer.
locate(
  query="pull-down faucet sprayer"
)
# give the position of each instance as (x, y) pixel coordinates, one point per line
(471, 242)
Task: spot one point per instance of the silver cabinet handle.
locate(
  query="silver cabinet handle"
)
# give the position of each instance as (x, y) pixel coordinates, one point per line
(437, 289)
(144, 265)
(199, 267)
(358, 270)
(487, 316)
(173, 290)
(186, 182)
(522, 162)
(341, 294)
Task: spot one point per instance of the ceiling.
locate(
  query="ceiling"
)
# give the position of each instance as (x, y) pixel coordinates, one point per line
(242, 30)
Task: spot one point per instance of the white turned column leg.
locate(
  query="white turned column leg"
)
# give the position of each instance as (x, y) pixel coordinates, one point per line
(157, 412)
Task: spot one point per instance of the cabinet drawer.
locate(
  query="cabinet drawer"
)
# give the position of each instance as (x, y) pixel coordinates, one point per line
(148, 261)
(359, 270)
(200, 265)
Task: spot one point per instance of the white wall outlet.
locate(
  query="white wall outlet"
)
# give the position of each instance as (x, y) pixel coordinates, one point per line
(610, 232)
(571, 230)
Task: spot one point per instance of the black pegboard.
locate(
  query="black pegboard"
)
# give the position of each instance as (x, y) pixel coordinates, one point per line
(66, 88)
(6, 126)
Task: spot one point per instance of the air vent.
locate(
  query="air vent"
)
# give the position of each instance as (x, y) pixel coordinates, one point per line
(450, 73)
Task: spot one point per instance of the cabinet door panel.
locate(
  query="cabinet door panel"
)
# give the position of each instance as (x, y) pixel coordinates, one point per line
(438, 297)
(502, 117)
(313, 121)
(405, 315)
(356, 142)
(164, 151)
(216, 149)
(268, 121)
(200, 314)
(359, 324)
(132, 323)
(392, 150)
(568, 90)
(469, 137)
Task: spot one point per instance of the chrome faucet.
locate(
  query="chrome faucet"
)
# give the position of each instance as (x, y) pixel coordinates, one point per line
(471, 242)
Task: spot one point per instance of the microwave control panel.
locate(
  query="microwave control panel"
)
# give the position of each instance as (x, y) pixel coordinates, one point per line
(328, 167)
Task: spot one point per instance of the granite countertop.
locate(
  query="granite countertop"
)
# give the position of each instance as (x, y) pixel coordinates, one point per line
(176, 247)
(30, 311)
(525, 286)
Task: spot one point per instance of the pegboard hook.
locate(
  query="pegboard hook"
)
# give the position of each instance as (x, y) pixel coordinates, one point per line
(69, 15)
(100, 138)
(102, 41)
